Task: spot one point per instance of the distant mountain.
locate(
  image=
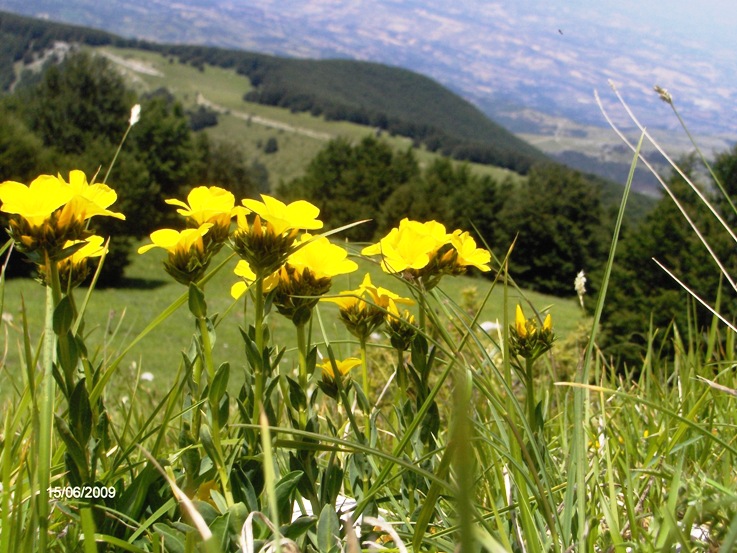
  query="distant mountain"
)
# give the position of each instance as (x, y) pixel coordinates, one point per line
(506, 57)
(388, 98)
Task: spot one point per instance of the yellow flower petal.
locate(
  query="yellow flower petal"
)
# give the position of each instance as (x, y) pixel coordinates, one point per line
(468, 253)
(520, 322)
(36, 202)
(343, 366)
(175, 241)
(320, 256)
(297, 215)
(206, 204)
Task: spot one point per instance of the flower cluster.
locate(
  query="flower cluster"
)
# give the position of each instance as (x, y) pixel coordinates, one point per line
(528, 338)
(298, 268)
(207, 214)
(50, 212)
(424, 252)
(365, 309)
(266, 243)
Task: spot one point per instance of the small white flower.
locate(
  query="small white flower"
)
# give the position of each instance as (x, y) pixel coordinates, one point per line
(375, 336)
(147, 376)
(580, 286)
(135, 115)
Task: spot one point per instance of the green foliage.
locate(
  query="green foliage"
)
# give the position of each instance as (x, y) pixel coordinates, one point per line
(350, 183)
(643, 295)
(556, 219)
(78, 102)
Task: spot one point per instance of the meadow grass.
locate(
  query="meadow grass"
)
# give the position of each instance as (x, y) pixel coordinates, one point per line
(116, 315)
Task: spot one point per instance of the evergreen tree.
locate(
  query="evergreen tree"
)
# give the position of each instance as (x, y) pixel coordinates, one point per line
(642, 295)
(350, 183)
(556, 218)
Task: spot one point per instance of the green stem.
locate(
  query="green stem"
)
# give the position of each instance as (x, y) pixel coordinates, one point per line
(258, 325)
(46, 417)
(401, 376)
(214, 410)
(303, 376)
(530, 393)
(117, 152)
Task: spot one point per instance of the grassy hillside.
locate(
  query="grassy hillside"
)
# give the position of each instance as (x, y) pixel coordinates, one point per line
(391, 94)
(299, 135)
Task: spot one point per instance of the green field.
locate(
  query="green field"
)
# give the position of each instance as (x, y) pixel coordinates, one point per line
(116, 316)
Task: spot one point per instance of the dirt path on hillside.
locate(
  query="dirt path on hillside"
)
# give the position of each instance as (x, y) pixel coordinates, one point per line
(257, 119)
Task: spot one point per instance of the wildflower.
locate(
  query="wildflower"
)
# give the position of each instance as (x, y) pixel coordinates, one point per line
(401, 327)
(529, 339)
(188, 258)
(36, 202)
(425, 252)
(308, 275)
(467, 254)
(50, 211)
(135, 115)
(330, 381)
(269, 240)
(344, 367)
(282, 217)
(322, 257)
(88, 200)
(409, 246)
(209, 205)
(147, 376)
(579, 284)
(248, 277)
(74, 269)
(363, 310)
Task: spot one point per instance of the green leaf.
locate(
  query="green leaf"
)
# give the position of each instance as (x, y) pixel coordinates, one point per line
(209, 445)
(224, 410)
(219, 383)
(284, 490)
(63, 316)
(297, 396)
(74, 449)
(68, 355)
(80, 413)
(173, 539)
(197, 304)
(328, 531)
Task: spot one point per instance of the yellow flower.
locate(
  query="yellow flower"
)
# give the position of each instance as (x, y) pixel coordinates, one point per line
(87, 201)
(527, 338)
(248, 277)
(188, 258)
(74, 269)
(468, 253)
(297, 215)
(93, 247)
(409, 246)
(208, 205)
(520, 322)
(175, 241)
(362, 310)
(344, 367)
(320, 256)
(36, 202)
